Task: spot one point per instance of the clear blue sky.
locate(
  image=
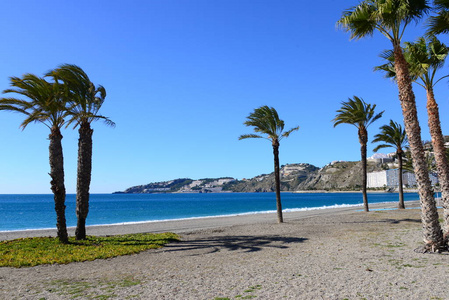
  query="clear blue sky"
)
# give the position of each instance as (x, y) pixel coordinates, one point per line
(181, 77)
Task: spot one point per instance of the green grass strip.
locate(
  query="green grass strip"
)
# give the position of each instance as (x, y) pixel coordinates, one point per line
(30, 252)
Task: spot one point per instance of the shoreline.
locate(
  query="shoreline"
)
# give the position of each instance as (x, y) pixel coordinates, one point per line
(199, 223)
(411, 191)
(200, 217)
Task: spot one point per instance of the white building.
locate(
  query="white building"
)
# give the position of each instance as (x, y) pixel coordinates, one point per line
(389, 178)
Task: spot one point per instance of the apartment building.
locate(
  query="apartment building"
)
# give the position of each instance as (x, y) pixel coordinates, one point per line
(390, 178)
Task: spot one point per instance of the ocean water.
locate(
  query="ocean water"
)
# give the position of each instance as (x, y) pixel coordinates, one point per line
(22, 212)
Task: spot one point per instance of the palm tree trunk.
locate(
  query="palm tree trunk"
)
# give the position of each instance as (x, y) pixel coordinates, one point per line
(57, 182)
(433, 236)
(400, 180)
(277, 179)
(440, 153)
(84, 178)
(365, 196)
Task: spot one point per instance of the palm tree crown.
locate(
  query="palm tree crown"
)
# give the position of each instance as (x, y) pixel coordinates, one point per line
(45, 104)
(392, 135)
(358, 113)
(265, 120)
(424, 57)
(85, 99)
(389, 17)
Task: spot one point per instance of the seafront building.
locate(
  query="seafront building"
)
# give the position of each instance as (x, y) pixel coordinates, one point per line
(390, 179)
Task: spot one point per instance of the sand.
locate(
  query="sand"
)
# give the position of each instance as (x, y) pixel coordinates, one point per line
(322, 254)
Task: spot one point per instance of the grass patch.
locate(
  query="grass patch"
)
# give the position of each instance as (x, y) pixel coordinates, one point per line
(390, 245)
(30, 252)
(253, 288)
(89, 290)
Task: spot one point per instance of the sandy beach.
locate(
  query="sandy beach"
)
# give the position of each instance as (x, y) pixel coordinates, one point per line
(339, 253)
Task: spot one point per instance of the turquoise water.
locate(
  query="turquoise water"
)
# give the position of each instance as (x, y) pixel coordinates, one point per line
(21, 212)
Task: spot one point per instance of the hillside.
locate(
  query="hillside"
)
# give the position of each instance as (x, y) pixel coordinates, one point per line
(342, 175)
(182, 185)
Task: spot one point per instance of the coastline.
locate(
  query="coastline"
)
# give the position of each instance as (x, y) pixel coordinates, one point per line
(197, 223)
(356, 192)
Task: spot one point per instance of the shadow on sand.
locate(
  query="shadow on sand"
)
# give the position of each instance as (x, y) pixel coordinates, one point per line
(233, 243)
(390, 221)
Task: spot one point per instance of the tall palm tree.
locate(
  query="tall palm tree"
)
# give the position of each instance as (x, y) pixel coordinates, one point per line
(393, 135)
(84, 103)
(267, 124)
(425, 58)
(391, 18)
(360, 114)
(45, 104)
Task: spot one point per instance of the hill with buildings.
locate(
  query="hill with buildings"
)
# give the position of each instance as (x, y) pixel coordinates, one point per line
(336, 176)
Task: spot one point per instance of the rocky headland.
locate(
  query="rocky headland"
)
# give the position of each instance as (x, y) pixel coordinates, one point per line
(335, 176)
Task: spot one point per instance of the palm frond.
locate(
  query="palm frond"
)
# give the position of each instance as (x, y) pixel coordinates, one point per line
(250, 136)
(438, 24)
(388, 67)
(381, 146)
(287, 133)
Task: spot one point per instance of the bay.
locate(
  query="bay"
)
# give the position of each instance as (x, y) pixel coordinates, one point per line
(23, 212)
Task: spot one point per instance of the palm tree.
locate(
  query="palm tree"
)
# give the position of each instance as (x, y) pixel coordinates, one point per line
(84, 103)
(265, 121)
(391, 17)
(45, 104)
(394, 135)
(360, 114)
(425, 58)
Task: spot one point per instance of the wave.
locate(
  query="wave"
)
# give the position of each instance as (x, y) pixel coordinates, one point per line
(233, 215)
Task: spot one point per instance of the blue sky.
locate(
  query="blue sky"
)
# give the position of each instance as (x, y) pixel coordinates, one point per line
(181, 77)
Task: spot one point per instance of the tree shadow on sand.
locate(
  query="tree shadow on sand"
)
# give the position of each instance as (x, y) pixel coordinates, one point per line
(391, 221)
(233, 243)
(397, 221)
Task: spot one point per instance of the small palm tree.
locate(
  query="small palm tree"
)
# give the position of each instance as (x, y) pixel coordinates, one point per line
(267, 124)
(84, 103)
(45, 104)
(391, 18)
(393, 135)
(425, 58)
(360, 114)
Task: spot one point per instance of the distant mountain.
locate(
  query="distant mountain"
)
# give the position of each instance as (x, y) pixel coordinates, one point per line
(338, 175)
(182, 185)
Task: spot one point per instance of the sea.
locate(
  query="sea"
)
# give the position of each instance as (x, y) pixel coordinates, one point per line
(26, 212)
